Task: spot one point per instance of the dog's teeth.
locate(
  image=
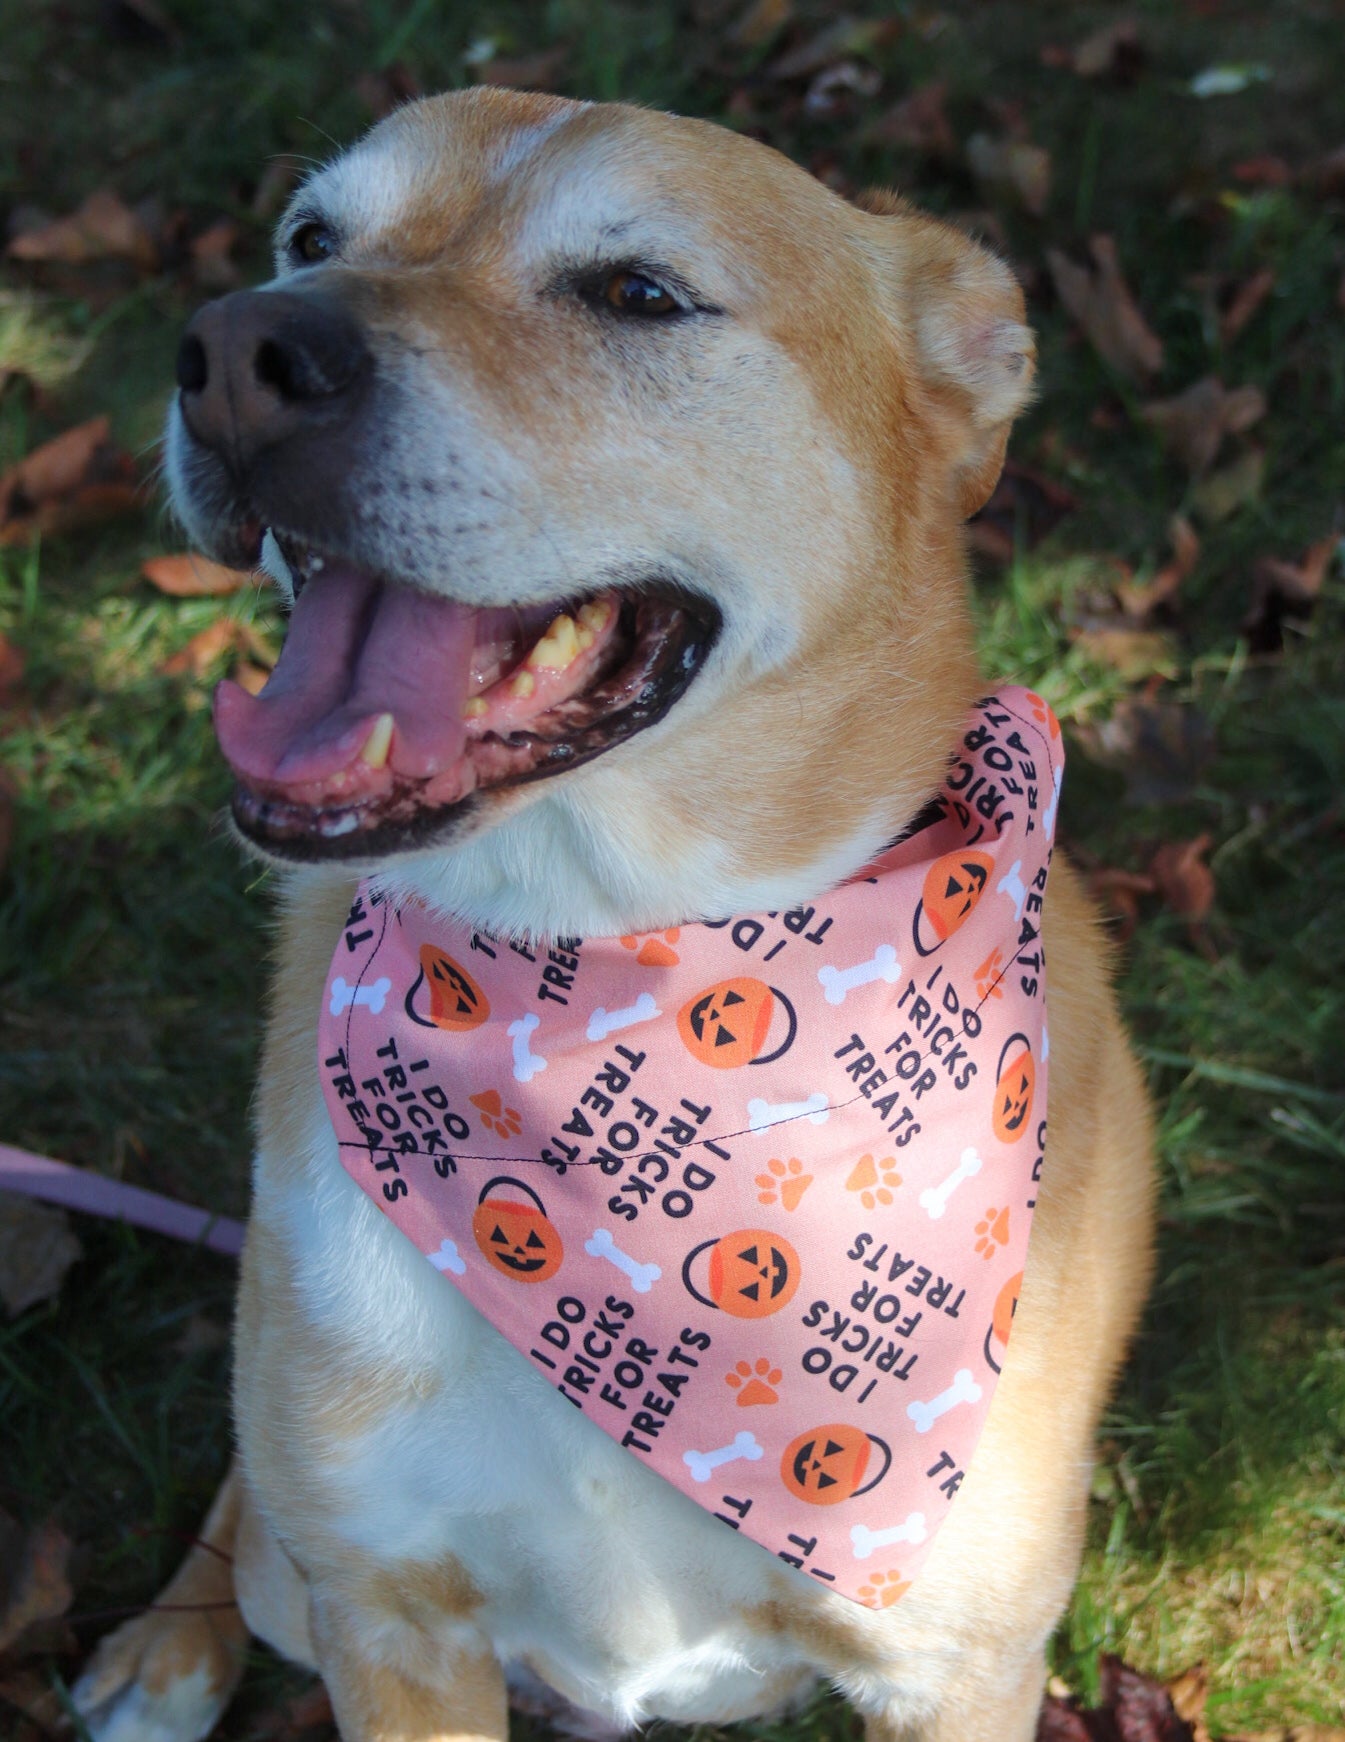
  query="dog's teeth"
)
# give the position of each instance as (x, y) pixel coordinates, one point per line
(594, 616)
(523, 684)
(475, 708)
(557, 648)
(378, 743)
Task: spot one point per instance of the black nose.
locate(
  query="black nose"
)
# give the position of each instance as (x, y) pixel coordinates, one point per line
(261, 365)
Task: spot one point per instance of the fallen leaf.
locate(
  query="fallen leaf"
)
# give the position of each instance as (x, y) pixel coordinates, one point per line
(1189, 1693)
(34, 1576)
(543, 71)
(1285, 592)
(211, 266)
(251, 677)
(844, 38)
(1012, 166)
(1193, 425)
(1265, 171)
(190, 576)
(73, 480)
(11, 669)
(1026, 505)
(763, 20)
(1229, 79)
(831, 91)
(1117, 893)
(919, 122)
(1101, 302)
(1220, 495)
(1135, 654)
(103, 228)
(1245, 302)
(1115, 52)
(1161, 748)
(1185, 881)
(1139, 599)
(54, 469)
(225, 635)
(1134, 1708)
(37, 1248)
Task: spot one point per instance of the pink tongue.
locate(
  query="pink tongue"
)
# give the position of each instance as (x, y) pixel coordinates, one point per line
(355, 649)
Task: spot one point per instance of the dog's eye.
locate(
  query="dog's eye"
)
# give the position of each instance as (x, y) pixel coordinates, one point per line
(632, 294)
(312, 244)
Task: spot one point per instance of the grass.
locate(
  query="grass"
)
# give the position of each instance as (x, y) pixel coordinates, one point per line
(132, 939)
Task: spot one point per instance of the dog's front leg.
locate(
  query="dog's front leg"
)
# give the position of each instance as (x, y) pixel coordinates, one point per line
(445, 1691)
(997, 1701)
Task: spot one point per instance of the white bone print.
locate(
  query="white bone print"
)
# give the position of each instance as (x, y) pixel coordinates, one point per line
(1014, 888)
(448, 1258)
(882, 965)
(964, 1389)
(762, 1115)
(934, 1199)
(642, 1276)
(867, 1542)
(703, 1464)
(527, 1063)
(605, 1022)
(373, 997)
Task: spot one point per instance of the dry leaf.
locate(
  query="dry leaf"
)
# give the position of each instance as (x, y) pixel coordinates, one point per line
(1193, 425)
(211, 266)
(34, 1576)
(1161, 748)
(843, 39)
(54, 469)
(190, 576)
(1136, 654)
(1183, 879)
(543, 71)
(1117, 893)
(1101, 302)
(102, 229)
(1264, 171)
(1134, 1708)
(1284, 591)
(1222, 493)
(831, 89)
(37, 1247)
(1245, 302)
(1026, 505)
(11, 670)
(1012, 166)
(1115, 52)
(251, 677)
(762, 20)
(1189, 1693)
(210, 644)
(74, 480)
(919, 122)
(1140, 598)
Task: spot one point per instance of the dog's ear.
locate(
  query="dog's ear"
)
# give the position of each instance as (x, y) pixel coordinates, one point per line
(965, 312)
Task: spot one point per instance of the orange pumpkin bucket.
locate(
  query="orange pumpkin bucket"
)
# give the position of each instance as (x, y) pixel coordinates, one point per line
(1015, 1082)
(515, 1237)
(953, 885)
(750, 1274)
(457, 1003)
(727, 1024)
(827, 1464)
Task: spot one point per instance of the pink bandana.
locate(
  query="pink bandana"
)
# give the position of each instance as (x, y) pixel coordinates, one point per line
(753, 1194)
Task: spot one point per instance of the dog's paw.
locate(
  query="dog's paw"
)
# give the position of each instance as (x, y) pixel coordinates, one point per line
(162, 1677)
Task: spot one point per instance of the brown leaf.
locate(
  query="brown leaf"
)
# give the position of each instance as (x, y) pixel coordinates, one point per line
(1139, 599)
(251, 677)
(11, 670)
(1140, 1707)
(1061, 1720)
(1245, 302)
(103, 228)
(1184, 880)
(190, 576)
(843, 39)
(211, 266)
(77, 478)
(1263, 171)
(1286, 592)
(1136, 654)
(223, 636)
(1026, 504)
(34, 1576)
(1193, 424)
(1161, 748)
(1222, 493)
(762, 20)
(543, 71)
(1117, 893)
(54, 469)
(1101, 302)
(1013, 167)
(1189, 1693)
(37, 1247)
(919, 122)
(1113, 52)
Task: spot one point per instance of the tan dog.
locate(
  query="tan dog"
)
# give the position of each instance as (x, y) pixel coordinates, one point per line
(532, 356)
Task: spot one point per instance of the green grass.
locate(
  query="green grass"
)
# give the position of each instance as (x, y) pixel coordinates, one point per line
(133, 940)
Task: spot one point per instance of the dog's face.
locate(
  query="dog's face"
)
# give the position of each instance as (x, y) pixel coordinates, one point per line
(615, 468)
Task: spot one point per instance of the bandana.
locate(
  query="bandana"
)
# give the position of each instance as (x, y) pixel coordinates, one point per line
(753, 1194)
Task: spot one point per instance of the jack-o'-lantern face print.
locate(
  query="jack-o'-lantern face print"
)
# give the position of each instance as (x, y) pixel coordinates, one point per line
(1006, 1305)
(1014, 1087)
(953, 886)
(511, 1229)
(456, 1002)
(828, 1464)
(749, 1274)
(728, 1024)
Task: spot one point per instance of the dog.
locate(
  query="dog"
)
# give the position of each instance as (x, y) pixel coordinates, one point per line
(614, 471)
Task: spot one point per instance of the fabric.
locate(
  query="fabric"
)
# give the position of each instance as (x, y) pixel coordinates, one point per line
(754, 1194)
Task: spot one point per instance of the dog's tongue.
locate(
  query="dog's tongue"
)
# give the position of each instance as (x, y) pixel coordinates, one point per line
(355, 649)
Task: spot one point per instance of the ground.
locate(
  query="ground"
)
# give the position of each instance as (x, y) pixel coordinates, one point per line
(133, 936)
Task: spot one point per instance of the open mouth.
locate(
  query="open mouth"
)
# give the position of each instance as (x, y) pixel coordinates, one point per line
(390, 708)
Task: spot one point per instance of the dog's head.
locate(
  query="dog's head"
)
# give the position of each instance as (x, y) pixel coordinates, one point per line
(616, 470)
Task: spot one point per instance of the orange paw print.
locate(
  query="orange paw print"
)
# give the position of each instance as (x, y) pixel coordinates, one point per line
(875, 1181)
(655, 952)
(495, 1116)
(887, 1588)
(755, 1384)
(989, 974)
(1043, 714)
(785, 1183)
(992, 1232)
